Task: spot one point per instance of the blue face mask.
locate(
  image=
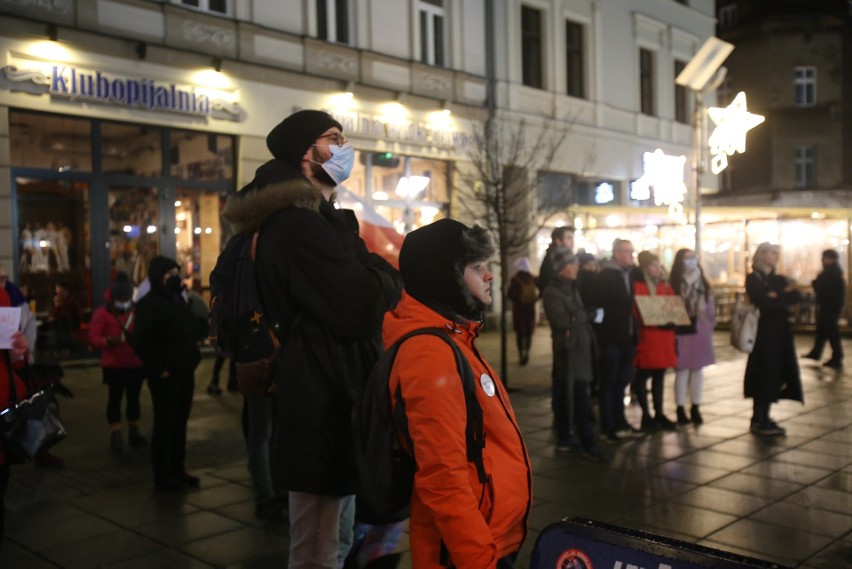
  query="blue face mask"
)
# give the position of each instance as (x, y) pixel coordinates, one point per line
(339, 166)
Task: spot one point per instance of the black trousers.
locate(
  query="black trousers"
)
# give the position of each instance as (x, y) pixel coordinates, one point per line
(171, 399)
(123, 382)
(827, 329)
(4, 482)
(640, 387)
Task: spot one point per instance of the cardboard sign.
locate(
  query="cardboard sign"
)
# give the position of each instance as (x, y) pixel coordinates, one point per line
(10, 322)
(662, 310)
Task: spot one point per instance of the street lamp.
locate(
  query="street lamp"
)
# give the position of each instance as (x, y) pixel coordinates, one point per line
(703, 74)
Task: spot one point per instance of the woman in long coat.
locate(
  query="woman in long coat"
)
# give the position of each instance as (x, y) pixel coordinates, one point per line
(523, 292)
(772, 371)
(694, 343)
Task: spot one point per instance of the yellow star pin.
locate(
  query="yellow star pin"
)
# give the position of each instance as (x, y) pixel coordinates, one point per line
(256, 316)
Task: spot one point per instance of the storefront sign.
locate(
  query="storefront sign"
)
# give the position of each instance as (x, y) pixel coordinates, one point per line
(663, 174)
(76, 83)
(405, 130)
(729, 136)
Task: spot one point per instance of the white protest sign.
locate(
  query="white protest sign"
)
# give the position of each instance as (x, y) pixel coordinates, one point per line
(10, 320)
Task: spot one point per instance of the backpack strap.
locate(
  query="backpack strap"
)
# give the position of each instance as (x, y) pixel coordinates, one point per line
(474, 428)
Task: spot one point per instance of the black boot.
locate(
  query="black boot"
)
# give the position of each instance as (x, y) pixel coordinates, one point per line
(697, 419)
(682, 419)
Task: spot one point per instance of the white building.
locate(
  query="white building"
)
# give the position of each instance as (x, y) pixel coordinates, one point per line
(125, 123)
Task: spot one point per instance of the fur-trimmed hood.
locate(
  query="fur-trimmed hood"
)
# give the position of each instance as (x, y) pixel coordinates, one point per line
(273, 188)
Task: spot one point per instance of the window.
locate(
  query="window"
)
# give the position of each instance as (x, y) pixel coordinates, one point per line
(681, 96)
(215, 6)
(333, 20)
(574, 60)
(805, 167)
(554, 191)
(531, 48)
(646, 82)
(805, 80)
(432, 41)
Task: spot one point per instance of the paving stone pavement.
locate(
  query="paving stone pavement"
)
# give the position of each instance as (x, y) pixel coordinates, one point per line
(786, 500)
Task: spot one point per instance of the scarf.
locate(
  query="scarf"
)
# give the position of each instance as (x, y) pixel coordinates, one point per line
(693, 292)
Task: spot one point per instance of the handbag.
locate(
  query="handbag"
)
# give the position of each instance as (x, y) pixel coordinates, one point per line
(744, 326)
(31, 423)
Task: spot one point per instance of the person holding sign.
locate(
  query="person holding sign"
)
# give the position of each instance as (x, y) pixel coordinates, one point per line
(656, 349)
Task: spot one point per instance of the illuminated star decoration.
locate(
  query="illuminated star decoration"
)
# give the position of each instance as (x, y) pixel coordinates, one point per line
(729, 136)
(663, 173)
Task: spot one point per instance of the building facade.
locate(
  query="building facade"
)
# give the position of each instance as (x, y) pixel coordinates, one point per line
(125, 124)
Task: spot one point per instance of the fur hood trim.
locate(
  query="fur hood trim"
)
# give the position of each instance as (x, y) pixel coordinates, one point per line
(247, 210)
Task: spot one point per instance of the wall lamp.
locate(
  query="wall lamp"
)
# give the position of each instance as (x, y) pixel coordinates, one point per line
(216, 63)
(53, 32)
(142, 50)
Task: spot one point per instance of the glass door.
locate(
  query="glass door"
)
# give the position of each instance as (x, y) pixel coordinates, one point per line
(200, 235)
(134, 230)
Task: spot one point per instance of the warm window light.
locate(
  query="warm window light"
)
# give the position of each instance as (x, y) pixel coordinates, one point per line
(197, 231)
(427, 214)
(127, 229)
(151, 229)
(380, 196)
(612, 221)
(177, 230)
(394, 112)
(208, 230)
(578, 223)
(181, 216)
(411, 186)
(178, 203)
(43, 243)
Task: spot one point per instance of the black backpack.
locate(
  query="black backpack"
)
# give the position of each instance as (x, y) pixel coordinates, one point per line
(239, 327)
(385, 468)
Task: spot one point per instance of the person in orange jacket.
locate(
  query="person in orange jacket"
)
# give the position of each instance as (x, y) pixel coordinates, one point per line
(455, 519)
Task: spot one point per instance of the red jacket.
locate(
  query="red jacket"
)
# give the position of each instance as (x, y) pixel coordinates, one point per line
(656, 348)
(106, 324)
(20, 386)
(479, 524)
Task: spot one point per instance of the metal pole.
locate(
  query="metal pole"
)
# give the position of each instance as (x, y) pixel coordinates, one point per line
(699, 110)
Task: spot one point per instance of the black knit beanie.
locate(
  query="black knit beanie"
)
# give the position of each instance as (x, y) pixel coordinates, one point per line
(122, 288)
(432, 261)
(292, 137)
(157, 269)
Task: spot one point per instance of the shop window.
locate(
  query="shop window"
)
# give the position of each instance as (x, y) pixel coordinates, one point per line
(221, 7)
(575, 60)
(532, 44)
(200, 235)
(647, 105)
(53, 239)
(334, 20)
(805, 83)
(681, 96)
(201, 156)
(805, 167)
(134, 230)
(432, 36)
(554, 191)
(50, 142)
(409, 192)
(132, 149)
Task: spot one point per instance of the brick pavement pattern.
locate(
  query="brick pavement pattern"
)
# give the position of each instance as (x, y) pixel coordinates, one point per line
(787, 500)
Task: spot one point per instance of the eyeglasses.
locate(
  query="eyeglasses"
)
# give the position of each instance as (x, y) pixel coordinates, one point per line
(337, 137)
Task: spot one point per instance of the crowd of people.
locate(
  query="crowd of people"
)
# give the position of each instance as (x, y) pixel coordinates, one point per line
(334, 305)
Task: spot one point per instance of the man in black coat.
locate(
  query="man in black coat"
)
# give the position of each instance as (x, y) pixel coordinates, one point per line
(327, 296)
(830, 291)
(613, 291)
(560, 237)
(165, 337)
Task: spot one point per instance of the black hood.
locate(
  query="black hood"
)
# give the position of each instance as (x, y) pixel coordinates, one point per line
(157, 269)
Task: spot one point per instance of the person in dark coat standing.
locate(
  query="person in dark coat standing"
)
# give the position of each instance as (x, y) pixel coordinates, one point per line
(560, 237)
(326, 295)
(613, 292)
(574, 353)
(166, 339)
(830, 291)
(523, 293)
(772, 371)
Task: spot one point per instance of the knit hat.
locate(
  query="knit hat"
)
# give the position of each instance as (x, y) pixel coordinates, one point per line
(157, 269)
(523, 264)
(292, 137)
(432, 261)
(645, 259)
(584, 258)
(122, 288)
(560, 257)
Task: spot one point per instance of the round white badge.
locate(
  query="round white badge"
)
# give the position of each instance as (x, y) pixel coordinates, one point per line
(487, 385)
